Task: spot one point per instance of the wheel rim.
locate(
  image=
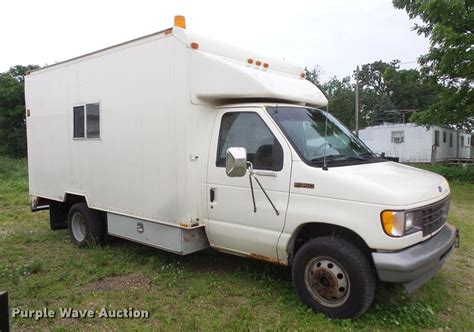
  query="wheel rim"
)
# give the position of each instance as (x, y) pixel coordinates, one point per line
(78, 226)
(327, 281)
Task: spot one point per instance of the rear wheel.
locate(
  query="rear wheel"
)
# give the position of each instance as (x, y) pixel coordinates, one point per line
(333, 276)
(85, 226)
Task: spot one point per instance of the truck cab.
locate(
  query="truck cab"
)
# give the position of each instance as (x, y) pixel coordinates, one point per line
(325, 204)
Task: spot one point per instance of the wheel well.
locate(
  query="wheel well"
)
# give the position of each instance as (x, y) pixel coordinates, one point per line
(310, 231)
(71, 199)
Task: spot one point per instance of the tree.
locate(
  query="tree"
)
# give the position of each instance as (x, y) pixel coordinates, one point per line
(341, 97)
(313, 75)
(408, 90)
(374, 93)
(371, 76)
(12, 111)
(450, 60)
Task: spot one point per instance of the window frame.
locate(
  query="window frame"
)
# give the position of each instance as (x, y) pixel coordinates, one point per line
(445, 138)
(85, 137)
(269, 129)
(397, 134)
(74, 122)
(436, 138)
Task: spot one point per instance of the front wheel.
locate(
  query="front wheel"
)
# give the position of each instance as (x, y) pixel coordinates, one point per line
(333, 276)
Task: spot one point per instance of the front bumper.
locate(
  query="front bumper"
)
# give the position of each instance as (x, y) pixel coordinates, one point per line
(416, 265)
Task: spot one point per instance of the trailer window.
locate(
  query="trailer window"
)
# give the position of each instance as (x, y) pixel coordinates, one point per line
(247, 130)
(93, 121)
(397, 137)
(79, 130)
(86, 121)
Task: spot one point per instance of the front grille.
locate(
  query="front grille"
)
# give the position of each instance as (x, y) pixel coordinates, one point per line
(430, 218)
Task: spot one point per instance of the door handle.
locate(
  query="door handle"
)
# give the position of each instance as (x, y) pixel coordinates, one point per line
(212, 195)
(271, 174)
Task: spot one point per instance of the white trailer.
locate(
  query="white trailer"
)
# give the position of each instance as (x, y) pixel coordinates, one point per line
(412, 143)
(181, 143)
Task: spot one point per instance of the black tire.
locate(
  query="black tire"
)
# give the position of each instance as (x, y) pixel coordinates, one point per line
(90, 231)
(341, 281)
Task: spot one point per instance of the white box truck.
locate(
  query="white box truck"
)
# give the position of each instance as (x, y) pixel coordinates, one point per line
(179, 142)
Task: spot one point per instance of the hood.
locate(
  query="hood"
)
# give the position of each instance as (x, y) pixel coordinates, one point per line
(387, 183)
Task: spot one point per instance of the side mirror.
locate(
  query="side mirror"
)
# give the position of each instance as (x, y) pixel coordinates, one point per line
(236, 162)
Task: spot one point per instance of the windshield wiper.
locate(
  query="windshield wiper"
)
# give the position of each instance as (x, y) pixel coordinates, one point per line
(355, 158)
(328, 157)
(331, 157)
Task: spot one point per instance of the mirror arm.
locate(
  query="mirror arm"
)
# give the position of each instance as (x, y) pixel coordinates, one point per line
(252, 174)
(253, 195)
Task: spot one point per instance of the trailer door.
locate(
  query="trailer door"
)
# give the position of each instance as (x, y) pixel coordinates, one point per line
(233, 225)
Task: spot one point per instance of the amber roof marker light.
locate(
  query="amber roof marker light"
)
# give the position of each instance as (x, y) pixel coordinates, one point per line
(180, 21)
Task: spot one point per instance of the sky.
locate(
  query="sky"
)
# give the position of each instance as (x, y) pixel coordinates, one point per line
(336, 35)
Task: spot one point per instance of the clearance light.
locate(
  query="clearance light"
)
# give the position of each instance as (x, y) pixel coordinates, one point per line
(265, 65)
(194, 46)
(180, 22)
(258, 63)
(250, 61)
(302, 75)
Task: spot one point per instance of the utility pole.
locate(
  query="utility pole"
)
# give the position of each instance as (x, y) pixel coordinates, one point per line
(357, 102)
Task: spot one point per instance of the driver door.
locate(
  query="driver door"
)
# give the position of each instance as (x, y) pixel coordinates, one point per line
(233, 225)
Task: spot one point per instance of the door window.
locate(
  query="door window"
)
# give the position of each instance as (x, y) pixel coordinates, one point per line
(247, 130)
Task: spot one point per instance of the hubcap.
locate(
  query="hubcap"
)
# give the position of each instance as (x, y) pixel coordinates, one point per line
(78, 226)
(327, 281)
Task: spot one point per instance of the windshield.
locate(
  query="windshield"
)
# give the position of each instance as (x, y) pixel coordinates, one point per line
(317, 135)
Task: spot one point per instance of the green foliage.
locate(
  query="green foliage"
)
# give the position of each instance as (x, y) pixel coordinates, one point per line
(450, 60)
(313, 74)
(408, 90)
(452, 172)
(386, 92)
(341, 96)
(12, 111)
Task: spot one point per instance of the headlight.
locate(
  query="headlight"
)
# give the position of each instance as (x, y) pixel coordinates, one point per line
(398, 223)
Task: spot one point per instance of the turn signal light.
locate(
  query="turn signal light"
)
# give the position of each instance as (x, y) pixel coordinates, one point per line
(393, 223)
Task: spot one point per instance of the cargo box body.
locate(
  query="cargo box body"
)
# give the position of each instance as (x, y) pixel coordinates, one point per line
(143, 164)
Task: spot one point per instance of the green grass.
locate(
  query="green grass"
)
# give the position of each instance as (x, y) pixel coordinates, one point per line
(205, 291)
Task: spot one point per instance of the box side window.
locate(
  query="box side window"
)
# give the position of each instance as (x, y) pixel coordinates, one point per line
(450, 140)
(247, 130)
(437, 137)
(79, 123)
(444, 137)
(93, 120)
